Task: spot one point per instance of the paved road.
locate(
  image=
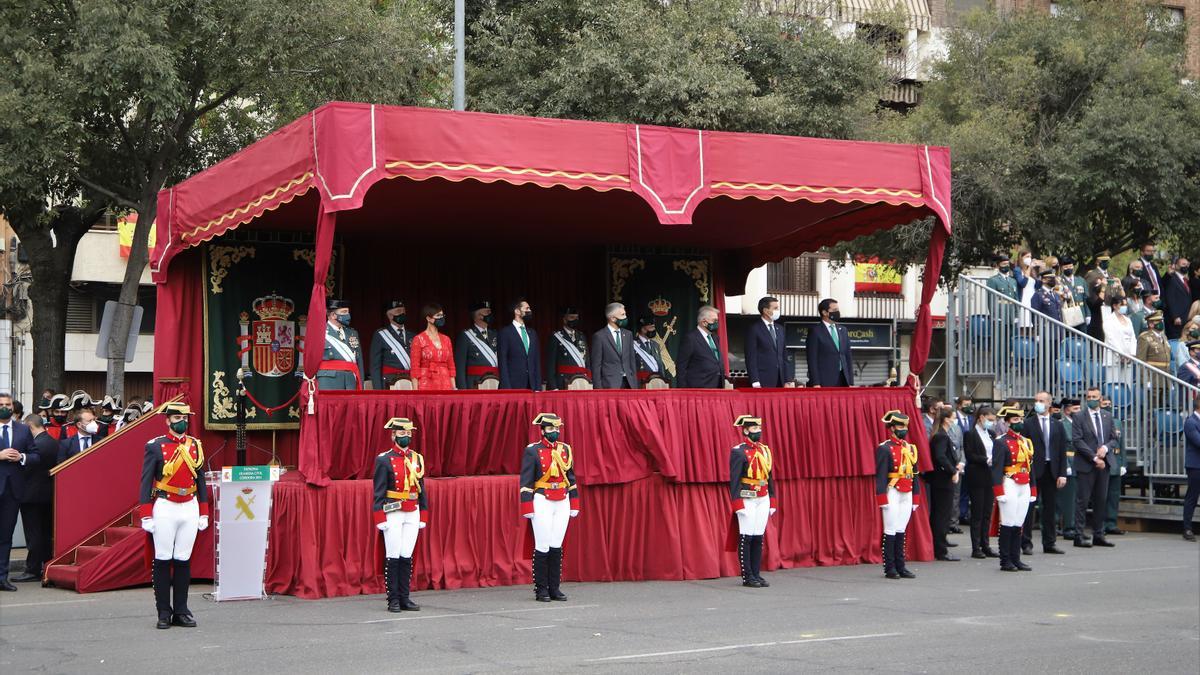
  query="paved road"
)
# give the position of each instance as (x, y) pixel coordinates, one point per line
(1132, 608)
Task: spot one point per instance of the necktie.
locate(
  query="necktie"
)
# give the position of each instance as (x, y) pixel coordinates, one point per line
(1046, 432)
(774, 335)
(85, 442)
(713, 346)
(617, 339)
(1096, 421)
(4, 437)
(833, 332)
(525, 338)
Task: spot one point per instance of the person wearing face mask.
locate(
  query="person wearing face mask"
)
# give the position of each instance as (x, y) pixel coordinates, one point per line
(1177, 299)
(652, 371)
(752, 490)
(1137, 312)
(1013, 486)
(1100, 271)
(567, 352)
(1189, 370)
(432, 353)
(17, 450)
(1093, 437)
(1049, 472)
(109, 422)
(896, 489)
(87, 431)
(766, 349)
(1120, 338)
(700, 364)
(173, 507)
(58, 427)
(342, 361)
(939, 482)
(1064, 508)
(400, 510)
(1116, 472)
(977, 446)
(1149, 271)
(1074, 290)
(390, 345)
(1134, 281)
(37, 500)
(520, 361)
(1191, 464)
(614, 365)
(549, 499)
(1005, 284)
(827, 348)
(476, 351)
(1153, 348)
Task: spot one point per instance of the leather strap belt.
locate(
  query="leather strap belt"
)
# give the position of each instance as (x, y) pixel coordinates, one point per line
(897, 474)
(171, 489)
(407, 496)
(551, 486)
(751, 481)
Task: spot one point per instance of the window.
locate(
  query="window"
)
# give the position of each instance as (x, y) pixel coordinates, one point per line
(85, 307)
(793, 275)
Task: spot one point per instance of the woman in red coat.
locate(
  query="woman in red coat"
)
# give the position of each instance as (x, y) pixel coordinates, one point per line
(432, 354)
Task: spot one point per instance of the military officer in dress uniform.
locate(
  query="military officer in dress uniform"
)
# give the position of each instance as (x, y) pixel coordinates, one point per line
(58, 427)
(475, 349)
(566, 355)
(1189, 371)
(400, 510)
(549, 498)
(649, 354)
(173, 507)
(1012, 467)
(389, 348)
(1153, 348)
(342, 362)
(108, 416)
(1074, 288)
(1003, 281)
(896, 487)
(1100, 273)
(752, 489)
(1046, 299)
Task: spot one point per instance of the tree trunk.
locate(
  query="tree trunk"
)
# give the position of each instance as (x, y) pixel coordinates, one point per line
(118, 337)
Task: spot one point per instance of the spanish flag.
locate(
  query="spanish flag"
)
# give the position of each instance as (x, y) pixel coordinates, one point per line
(872, 276)
(125, 227)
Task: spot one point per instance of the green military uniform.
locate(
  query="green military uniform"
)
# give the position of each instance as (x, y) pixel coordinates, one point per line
(342, 361)
(475, 350)
(1065, 499)
(1153, 348)
(1006, 285)
(1116, 466)
(566, 355)
(1074, 289)
(1101, 272)
(648, 355)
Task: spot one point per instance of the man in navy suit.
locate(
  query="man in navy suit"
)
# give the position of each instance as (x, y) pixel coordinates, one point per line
(87, 434)
(37, 504)
(766, 349)
(1092, 437)
(699, 365)
(519, 360)
(828, 350)
(1050, 470)
(1191, 464)
(16, 447)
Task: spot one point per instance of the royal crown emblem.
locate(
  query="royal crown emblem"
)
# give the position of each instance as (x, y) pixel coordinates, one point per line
(659, 306)
(273, 307)
(269, 342)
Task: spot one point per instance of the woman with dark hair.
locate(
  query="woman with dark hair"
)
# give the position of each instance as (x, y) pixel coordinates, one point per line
(941, 482)
(977, 446)
(432, 353)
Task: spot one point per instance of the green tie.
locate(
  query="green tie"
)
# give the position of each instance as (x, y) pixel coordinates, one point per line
(617, 337)
(713, 346)
(525, 338)
(834, 334)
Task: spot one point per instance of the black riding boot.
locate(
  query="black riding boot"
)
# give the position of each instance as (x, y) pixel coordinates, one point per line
(756, 550)
(404, 583)
(1004, 541)
(889, 562)
(160, 575)
(181, 580)
(541, 576)
(900, 568)
(1014, 539)
(745, 562)
(391, 581)
(554, 565)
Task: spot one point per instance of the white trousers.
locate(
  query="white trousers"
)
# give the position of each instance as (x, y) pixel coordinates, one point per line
(1016, 504)
(400, 538)
(752, 520)
(898, 511)
(550, 520)
(175, 527)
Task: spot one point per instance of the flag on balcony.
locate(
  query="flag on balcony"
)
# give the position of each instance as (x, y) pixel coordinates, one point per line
(872, 276)
(125, 227)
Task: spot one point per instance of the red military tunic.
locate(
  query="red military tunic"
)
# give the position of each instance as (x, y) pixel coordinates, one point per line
(174, 473)
(1013, 458)
(548, 469)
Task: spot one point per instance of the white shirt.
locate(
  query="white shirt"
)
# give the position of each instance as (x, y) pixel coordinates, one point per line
(986, 437)
(518, 324)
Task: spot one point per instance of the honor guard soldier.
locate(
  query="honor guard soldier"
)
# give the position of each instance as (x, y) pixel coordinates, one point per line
(400, 510)
(57, 409)
(475, 349)
(342, 362)
(1189, 371)
(566, 355)
(389, 348)
(649, 355)
(896, 486)
(1012, 466)
(549, 498)
(109, 423)
(173, 507)
(752, 490)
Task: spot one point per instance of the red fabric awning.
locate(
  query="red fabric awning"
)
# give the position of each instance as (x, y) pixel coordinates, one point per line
(806, 192)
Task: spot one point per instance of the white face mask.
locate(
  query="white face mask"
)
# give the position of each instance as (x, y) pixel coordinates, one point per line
(1026, 261)
(775, 315)
(91, 427)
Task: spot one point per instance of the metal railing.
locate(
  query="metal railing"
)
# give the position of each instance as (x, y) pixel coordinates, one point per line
(1025, 352)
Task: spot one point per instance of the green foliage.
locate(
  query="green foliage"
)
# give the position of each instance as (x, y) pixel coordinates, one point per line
(1074, 134)
(702, 63)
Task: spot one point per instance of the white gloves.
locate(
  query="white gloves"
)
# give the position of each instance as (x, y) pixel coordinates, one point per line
(421, 526)
(883, 506)
(741, 511)
(915, 506)
(772, 512)
(148, 525)
(1002, 499)
(203, 523)
(1032, 499)
(1123, 471)
(529, 516)
(382, 526)
(574, 512)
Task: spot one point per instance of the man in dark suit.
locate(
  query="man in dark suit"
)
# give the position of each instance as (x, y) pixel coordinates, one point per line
(1091, 436)
(828, 350)
(86, 435)
(16, 446)
(37, 515)
(1149, 271)
(1050, 470)
(1177, 299)
(766, 349)
(611, 354)
(1191, 464)
(700, 365)
(519, 360)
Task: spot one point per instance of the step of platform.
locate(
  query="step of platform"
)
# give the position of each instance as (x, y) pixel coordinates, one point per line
(63, 576)
(83, 554)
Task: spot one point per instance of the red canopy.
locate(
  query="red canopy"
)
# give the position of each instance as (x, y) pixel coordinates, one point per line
(645, 185)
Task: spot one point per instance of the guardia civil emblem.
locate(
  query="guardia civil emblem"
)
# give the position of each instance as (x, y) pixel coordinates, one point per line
(270, 341)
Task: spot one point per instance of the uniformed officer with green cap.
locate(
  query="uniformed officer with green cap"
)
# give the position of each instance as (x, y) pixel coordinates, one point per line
(1003, 281)
(649, 354)
(390, 348)
(566, 355)
(1074, 288)
(1153, 348)
(342, 361)
(475, 349)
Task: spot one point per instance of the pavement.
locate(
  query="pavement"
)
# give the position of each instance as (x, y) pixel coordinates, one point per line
(1132, 608)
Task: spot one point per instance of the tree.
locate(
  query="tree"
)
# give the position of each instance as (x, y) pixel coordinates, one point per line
(702, 63)
(159, 89)
(1074, 134)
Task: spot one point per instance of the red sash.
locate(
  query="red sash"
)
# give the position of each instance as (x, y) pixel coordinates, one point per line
(345, 367)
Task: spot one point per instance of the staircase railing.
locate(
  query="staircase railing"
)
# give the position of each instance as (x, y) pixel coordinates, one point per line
(1025, 352)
